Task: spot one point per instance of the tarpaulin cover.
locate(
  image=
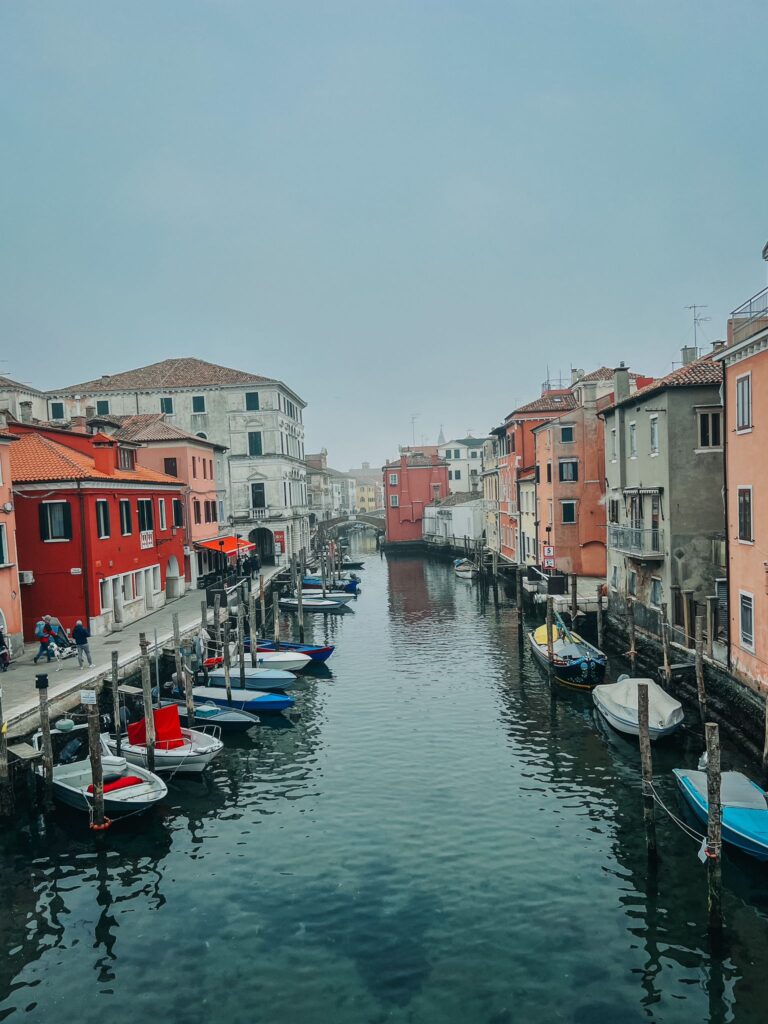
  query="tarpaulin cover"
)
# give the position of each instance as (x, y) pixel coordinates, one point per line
(122, 783)
(167, 729)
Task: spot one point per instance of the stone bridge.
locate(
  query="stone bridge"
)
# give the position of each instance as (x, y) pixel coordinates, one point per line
(326, 527)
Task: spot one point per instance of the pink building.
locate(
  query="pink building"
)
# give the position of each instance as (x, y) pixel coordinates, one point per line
(10, 591)
(410, 483)
(196, 462)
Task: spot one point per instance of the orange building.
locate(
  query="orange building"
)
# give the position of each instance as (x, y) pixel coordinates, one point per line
(745, 438)
(10, 591)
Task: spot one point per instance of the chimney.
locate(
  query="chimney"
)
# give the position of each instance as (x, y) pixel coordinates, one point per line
(576, 375)
(90, 412)
(620, 382)
(26, 411)
(718, 346)
(77, 423)
(104, 456)
(688, 353)
(588, 394)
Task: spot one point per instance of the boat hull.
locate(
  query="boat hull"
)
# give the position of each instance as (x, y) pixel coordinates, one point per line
(257, 702)
(314, 653)
(583, 674)
(624, 720)
(229, 720)
(313, 605)
(193, 758)
(737, 823)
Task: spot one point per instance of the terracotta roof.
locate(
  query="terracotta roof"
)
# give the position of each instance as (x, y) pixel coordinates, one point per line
(552, 401)
(699, 373)
(458, 498)
(15, 385)
(170, 373)
(153, 426)
(6, 435)
(37, 458)
(603, 373)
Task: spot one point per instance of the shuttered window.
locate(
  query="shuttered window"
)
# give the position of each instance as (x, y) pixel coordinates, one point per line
(55, 521)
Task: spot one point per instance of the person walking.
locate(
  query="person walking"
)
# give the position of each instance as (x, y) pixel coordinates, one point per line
(43, 634)
(81, 636)
(5, 654)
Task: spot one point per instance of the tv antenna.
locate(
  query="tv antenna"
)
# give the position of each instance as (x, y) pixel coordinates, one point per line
(414, 417)
(697, 319)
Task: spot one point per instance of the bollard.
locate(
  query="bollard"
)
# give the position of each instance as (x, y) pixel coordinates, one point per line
(665, 644)
(647, 769)
(217, 619)
(632, 652)
(227, 662)
(574, 597)
(276, 617)
(241, 641)
(550, 637)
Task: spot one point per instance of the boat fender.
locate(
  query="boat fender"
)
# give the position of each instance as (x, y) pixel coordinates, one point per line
(101, 828)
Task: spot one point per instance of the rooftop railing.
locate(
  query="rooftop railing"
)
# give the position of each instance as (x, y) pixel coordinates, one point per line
(750, 317)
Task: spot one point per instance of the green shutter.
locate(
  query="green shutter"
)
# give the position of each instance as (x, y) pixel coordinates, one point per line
(43, 514)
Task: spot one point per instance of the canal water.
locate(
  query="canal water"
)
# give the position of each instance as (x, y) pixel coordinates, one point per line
(441, 837)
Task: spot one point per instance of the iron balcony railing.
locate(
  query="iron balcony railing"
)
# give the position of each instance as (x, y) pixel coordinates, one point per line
(633, 541)
(750, 317)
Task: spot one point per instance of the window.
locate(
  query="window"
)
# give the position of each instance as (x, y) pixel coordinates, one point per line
(126, 458)
(473, 455)
(55, 521)
(566, 435)
(161, 514)
(254, 442)
(166, 406)
(102, 518)
(221, 511)
(457, 453)
(205, 468)
(126, 523)
(435, 492)
(157, 584)
(747, 620)
(450, 474)
(744, 402)
(194, 467)
(202, 434)
(105, 593)
(102, 407)
(258, 496)
(615, 577)
(170, 467)
(198, 403)
(613, 510)
(146, 515)
(745, 513)
(633, 440)
(56, 410)
(569, 511)
(632, 583)
(127, 585)
(457, 474)
(394, 500)
(196, 512)
(178, 512)
(210, 468)
(654, 430)
(393, 479)
(569, 470)
(447, 454)
(710, 429)
(3, 545)
(138, 583)
(613, 443)
(549, 472)
(656, 592)
(252, 401)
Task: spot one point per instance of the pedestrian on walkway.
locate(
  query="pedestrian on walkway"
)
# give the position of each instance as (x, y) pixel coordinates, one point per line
(43, 634)
(5, 654)
(81, 636)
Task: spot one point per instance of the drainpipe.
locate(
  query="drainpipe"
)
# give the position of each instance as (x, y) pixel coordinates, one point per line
(84, 549)
(724, 433)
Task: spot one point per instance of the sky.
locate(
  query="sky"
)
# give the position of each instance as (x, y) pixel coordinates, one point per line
(400, 209)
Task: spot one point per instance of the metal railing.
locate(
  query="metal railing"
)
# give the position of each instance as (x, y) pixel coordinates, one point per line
(751, 316)
(634, 541)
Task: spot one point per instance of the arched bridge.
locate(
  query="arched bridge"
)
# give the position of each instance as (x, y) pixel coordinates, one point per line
(342, 523)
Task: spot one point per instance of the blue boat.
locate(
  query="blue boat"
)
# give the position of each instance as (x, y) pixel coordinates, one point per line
(266, 680)
(255, 701)
(575, 662)
(316, 583)
(745, 808)
(228, 719)
(316, 653)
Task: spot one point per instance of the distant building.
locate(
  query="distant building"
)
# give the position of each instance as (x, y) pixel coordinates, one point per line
(490, 483)
(410, 484)
(370, 493)
(464, 457)
(10, 589)
(319, 495)
(527, 549)
(454, 521)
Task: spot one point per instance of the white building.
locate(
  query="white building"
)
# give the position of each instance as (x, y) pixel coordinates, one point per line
(343, 492)
(258, 419)
(465, 464)
(527, 517)
(454, 519)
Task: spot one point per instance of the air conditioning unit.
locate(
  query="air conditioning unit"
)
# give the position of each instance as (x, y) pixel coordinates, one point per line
(26, 577)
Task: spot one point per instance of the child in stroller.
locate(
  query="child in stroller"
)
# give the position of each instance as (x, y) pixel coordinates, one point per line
(60, 645)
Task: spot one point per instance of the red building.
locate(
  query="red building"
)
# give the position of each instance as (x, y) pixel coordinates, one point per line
(99, 538)
(410, 483)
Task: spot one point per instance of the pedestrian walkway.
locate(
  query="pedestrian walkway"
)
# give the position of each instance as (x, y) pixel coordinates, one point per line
(66, 678)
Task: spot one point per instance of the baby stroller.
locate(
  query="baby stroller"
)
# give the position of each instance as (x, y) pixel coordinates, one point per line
(61, 647)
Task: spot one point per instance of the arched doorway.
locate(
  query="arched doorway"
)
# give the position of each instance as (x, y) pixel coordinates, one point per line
(174, 583)
(265, 544)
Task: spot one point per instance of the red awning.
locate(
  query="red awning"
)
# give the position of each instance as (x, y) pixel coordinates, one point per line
(226, 545)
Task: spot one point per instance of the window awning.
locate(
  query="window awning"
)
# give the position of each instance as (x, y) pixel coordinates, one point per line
(230, 545)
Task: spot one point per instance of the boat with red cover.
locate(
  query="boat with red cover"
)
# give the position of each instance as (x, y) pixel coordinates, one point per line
(177, 749)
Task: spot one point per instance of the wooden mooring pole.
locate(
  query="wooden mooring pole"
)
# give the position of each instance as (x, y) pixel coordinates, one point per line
(519, 589)
(6, 789)
(632, 652)
(714, 829)
(253, 630)
(41, 683)
(276, 618)
(550, 637)
(665, 644)
(94, 751)
(217, 619)
(600, 616)
(227, 662)
(117, 722)
(300, 602)
(241, 639)
(574, 597)
(149, 717)
(649, 819)
(262, 606)
(699, 647)
(495, 577)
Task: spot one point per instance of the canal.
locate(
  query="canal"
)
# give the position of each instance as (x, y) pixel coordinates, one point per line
(441, 838)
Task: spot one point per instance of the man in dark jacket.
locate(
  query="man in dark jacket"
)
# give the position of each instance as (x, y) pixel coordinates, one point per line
(81, 636)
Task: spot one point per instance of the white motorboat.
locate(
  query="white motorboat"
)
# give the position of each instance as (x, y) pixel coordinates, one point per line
(287, 661)
(313, 604)
(341, 597)
(128, 789)
(617, 703)
(465, 569)
(176, 749)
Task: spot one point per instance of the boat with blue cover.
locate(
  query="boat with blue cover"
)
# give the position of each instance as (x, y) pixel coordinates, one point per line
(745, 808)
(344, 587)
(575, 662)
(228, 719)
(316, 653)
(255, 679)
(257, 702)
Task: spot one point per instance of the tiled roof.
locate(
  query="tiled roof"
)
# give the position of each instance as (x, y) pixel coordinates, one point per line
(459, 498)
(603, 373)
(36, 458)
(15, 385)
(152, 426)
(170, 373)
(470, 442)
(552, 401)
(699, 373)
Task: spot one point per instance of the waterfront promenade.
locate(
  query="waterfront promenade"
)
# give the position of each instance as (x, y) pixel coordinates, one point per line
(66, 678)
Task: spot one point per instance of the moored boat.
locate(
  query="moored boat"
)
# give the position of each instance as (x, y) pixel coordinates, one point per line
(745, 809)
(128, 789)
(228, 719)
(317, 653)
(465, 569)
(344, 587)
(351, 563)
(313, 604)
(176, 749)
(575, 661)
(618, 704)
(256, 702)
(270, 681)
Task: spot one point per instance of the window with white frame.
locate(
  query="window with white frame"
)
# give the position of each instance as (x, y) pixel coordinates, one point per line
(55, 521)
(161, 513)
(568, 470)
(710, 429)
(105, 595)
(102, 518)
(747, 620)
(653, 424)
(744, 402)
(656, 592)
(569, 512)
(614, 448)
(632, 583)
(127, 584)
(126, 519)
(157, 583)
(138, 583)
(4, 557)
(745, 514)
(393, 479)
(633, 440)
(567, 435)
(394, 500)
(146, 514)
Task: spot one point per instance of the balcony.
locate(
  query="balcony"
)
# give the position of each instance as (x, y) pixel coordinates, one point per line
(146, 539)
(247, 514)
(751, 317)
(637, 543)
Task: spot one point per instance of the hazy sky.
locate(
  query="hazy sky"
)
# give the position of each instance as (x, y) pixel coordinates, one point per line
(395, 207)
